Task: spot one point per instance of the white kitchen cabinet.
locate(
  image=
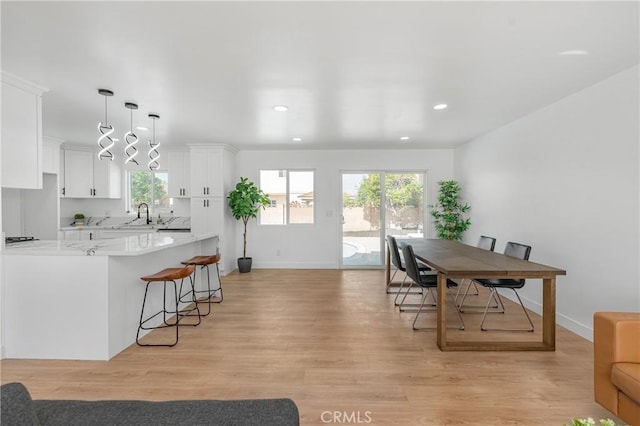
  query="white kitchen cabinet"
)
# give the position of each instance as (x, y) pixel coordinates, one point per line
(207, 215)
(206, 172)
(78, 174)
(107, 178)
(21, 133)
(179, 174)
(79, 235)
(85, 176)
(212, 177)
(51, 156)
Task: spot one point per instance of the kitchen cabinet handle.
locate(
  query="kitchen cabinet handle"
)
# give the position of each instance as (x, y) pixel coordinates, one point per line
(63, 191)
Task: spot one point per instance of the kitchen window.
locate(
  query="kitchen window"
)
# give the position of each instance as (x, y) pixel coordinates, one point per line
(291, 195)
(151, 188)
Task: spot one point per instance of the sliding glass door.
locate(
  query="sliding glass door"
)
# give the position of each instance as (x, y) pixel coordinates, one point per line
(375, 204)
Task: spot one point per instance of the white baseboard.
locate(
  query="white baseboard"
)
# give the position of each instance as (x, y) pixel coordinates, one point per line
(294, 265)
(569, 323)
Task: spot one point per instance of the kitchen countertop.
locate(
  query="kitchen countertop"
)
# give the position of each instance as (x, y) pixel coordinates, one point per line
(132, 245)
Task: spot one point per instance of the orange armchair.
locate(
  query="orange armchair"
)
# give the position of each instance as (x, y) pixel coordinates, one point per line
(616, 342)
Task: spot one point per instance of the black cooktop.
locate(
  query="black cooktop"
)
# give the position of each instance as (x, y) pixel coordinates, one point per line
(11, 240)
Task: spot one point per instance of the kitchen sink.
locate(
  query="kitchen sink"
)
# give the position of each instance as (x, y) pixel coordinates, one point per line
(133, 226)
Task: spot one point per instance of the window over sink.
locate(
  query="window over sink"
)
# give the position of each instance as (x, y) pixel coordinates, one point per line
(151, 188)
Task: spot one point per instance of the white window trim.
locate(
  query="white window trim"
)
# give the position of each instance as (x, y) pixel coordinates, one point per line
(288, 197)
(133, 210)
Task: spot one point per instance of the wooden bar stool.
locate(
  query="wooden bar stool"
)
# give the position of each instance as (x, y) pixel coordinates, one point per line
(164, 276)
(204, 262)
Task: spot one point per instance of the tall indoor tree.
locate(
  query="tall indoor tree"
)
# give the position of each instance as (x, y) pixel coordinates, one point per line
(449, 214)
(245, 202)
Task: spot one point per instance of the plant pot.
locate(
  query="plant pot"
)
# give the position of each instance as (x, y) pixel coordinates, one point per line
(244, 264)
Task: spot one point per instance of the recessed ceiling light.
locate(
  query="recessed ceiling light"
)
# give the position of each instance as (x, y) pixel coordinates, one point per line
(115, 139)
(405, 138)
(281, 108)
(440, 106)
(573, 53)
(297, 139)
(142, 128)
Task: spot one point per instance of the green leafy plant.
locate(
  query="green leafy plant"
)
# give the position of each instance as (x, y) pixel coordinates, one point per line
(78, 216)
(245, 202)
(590, 422)
(449, 215)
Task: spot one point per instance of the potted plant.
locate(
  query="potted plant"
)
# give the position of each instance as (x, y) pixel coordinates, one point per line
(449, 215)
(78, 219)
(245, 202)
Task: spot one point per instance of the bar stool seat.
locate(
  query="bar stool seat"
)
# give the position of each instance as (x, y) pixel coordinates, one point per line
(168, 274)
(204, 262)
(164, 276)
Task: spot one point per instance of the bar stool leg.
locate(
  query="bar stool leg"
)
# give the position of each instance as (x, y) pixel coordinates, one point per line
(188, 312)
(164, 313)
(204, 262)
(219, 285)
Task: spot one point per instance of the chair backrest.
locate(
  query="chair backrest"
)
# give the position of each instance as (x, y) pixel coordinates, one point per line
(410, 262)
(518, 250)
(487, 243)
(395, 253)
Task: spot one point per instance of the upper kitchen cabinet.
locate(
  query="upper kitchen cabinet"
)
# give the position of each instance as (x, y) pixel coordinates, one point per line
(21, 133)
(179, 174)
(206, 172)
(51, 156)
(85, 176)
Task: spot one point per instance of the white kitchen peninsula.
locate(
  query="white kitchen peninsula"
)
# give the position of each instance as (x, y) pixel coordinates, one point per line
(82, 299)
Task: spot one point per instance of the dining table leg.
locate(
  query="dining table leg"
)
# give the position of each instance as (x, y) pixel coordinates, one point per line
(549, 312)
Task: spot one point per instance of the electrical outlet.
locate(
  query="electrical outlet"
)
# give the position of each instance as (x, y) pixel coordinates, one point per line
(277, 252)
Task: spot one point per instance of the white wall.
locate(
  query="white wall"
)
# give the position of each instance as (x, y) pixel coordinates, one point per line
(32, 212)
(317, 245)
(565, 180)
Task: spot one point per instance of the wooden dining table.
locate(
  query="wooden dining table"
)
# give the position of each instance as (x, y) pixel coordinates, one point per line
(455, 260)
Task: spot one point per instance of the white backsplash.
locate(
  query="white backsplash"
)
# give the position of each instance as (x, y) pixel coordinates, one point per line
(108, 221)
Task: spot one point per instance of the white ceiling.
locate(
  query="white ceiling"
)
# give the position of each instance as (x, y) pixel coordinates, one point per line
(354, 74)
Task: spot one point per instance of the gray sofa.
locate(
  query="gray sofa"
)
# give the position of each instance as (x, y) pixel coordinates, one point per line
(19, 409)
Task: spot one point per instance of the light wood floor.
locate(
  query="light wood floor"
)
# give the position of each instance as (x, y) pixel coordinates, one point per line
(332, 341)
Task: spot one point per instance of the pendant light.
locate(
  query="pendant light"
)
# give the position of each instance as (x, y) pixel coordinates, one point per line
(130, 138)
(153, 146)
(104, 141)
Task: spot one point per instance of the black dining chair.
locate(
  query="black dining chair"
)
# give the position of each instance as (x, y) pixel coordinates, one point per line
(426, 282)
(517, 250)
(485, 243)
(396, 260)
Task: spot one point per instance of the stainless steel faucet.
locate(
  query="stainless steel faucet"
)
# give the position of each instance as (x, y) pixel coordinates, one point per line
(147, 206)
